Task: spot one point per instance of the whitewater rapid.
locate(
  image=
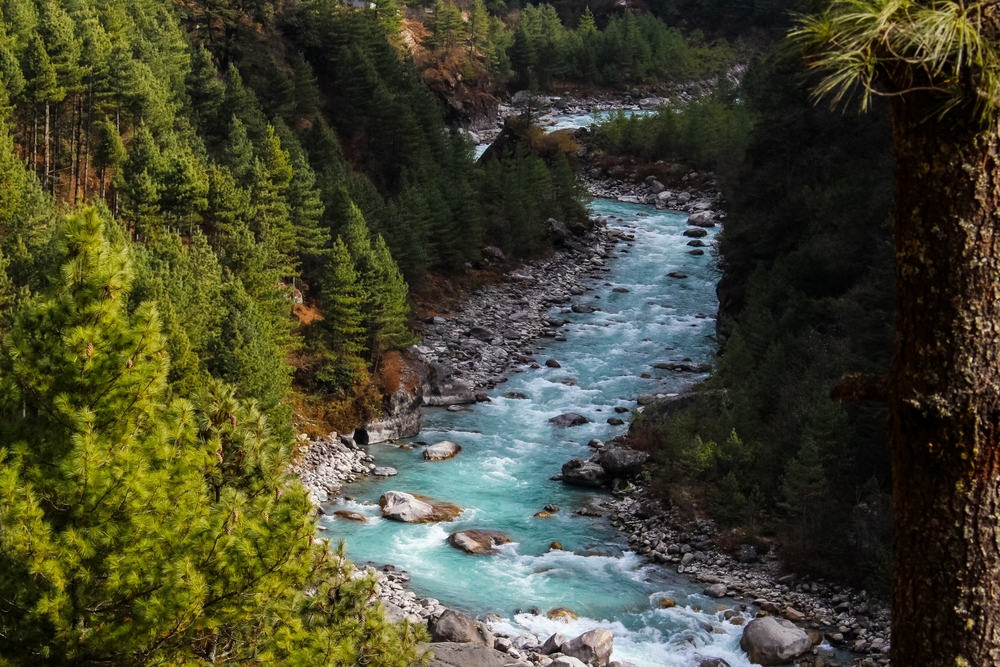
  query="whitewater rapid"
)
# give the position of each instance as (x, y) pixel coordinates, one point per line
(510, 450)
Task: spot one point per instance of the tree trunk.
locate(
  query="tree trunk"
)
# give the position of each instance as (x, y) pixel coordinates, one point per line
(944, 390)
(90, 129)
(45, 148)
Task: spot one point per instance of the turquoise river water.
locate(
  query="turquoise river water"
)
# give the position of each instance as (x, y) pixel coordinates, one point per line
(509, 451)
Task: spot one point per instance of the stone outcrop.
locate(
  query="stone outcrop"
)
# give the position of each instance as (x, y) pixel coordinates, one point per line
(478, 542)
(410, 508)
(592, 648)
(401, 418)
(440, 451)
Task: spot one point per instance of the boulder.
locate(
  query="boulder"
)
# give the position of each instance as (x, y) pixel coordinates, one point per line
(666, 603)
(677, 274)
(409, 508)
(695, 233)
(568, 419)
(621, 663)
(704, 661)
(697, 252)
(581, 308)
(567, 661)
(697, 243)
(561, 613)
(515, 395)
(592, 648)
(553, 644)
(482, 333)
(466, 655)
(552, 363)
(350, 516)
(656, 187)
(445, 449)
(645, 399)
(478, 541)
(774, 641)
(454, 626)
(615, 421)
(385, 471)
(583, 473)
(619, 461)
(715, 591)
(702, 219)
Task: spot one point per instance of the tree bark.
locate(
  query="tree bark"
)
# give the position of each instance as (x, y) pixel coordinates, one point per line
(46, 147)
(944, 390)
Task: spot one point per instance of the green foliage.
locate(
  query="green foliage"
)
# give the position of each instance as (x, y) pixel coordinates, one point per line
(144, 531)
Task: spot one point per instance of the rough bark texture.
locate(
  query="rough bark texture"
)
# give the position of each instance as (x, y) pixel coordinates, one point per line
(944, 391)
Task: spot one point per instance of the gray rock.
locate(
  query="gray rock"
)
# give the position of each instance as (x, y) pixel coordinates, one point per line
(478, 541)
(553, 644)
(552, 363)
(697, 243)
(615, 421)
(482, 333)
(568, 419)
(656, 187)
(619, 461)
(567, 661)
(454, 626)
(385, 471)
(715, 591)
(645, 399)
(583, 473)
(445, 449)
(593, 648)
(401, 420)
(774, 641)
(581, 308)
(405, 507)
(703, 661)
(466, 655)
(677, 274)
(695, 233)
(702, 219)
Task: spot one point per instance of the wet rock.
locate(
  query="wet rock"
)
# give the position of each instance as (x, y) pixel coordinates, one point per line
(552, 363)
(350, 516)
(583, 473)
(555, 546)
(666, 603)
(620, 290)
(615, 421)
(385, 471)
(695, 233)
(702, 661)
(774, 641)
(697, 252)
(515, 395)
(567, 661)
(561, 613)
(677, 274)
(568, 419)
(592, 648)
(697, 243)
(478, 542)
(445, 449)
(551, 508)
(410, 508)
(581, 308)
(702, 219)
(542, 515)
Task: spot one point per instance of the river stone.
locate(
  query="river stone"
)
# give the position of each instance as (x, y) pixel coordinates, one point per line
(580, 308)
(478, 541)
(409, 508)
(445, 449)
(593, 648)
(702, 219)
(697, 252)
(704, 661)
(567, 661)
(482, 333)
(384, 471)
(466, 655)
(552, 363)
(583, 473)
(621, 461)
(350, 516)
(615, 421)
(561, 613)
(619, 663)
(774, 641)
(454, 626)
(677, 274)
(515, 395)
(695, 233)
(645, 399)
(715, 591)
(697, 243)
(553, 644)
(568, 419)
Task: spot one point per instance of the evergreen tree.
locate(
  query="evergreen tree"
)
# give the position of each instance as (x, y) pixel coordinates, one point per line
(342, 300)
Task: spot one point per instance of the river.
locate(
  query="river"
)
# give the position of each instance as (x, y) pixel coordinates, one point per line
(501, 477)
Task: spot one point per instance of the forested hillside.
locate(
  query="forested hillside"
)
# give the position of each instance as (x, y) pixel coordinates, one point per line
(805, 296)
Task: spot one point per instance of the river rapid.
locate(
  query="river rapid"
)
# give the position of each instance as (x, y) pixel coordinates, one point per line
(510, 450)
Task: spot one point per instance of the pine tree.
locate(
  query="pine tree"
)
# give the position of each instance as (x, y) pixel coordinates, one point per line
(342, 299)
(587, 25)
(387, 305)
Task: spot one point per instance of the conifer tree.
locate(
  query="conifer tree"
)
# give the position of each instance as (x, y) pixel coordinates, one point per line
(343, 299)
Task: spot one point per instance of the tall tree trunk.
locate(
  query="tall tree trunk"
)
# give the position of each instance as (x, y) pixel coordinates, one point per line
(46, 181)
(79, 148)
(34, 139)
(90, 129)
(944, 390)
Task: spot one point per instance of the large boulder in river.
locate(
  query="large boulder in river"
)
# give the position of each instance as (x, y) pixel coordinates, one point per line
(454, 626)
(441, 388)
(445, 449)
(695, 233)
(592, 648)
(409, 508)
(583, 473)
(478, 541)
(569, 419)
(774, 641)
(702, 219)
(618, 461)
